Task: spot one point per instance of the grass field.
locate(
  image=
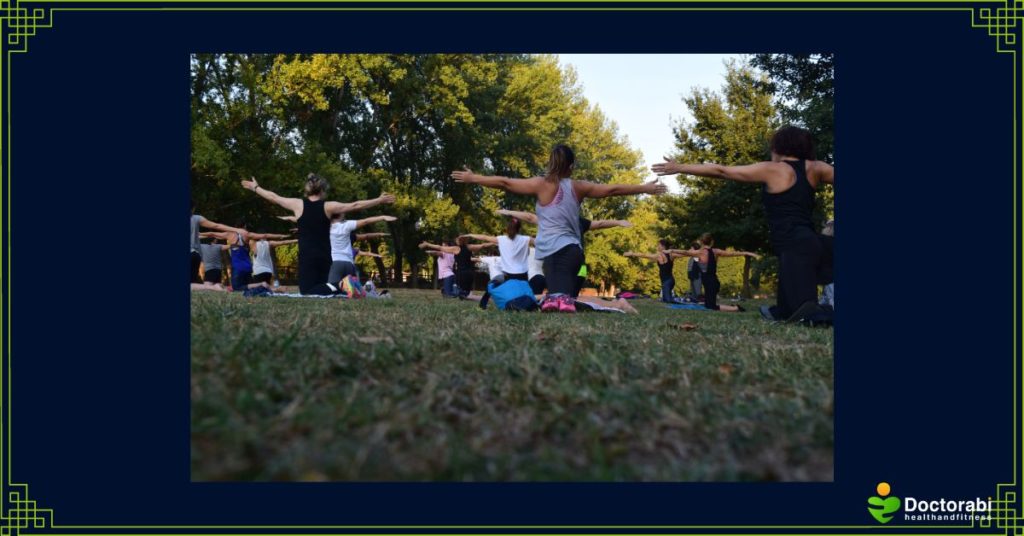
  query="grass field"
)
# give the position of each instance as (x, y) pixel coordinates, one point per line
(420, 388)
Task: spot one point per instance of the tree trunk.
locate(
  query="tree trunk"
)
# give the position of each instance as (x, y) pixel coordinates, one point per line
(433, 266)
(414, 273)
(397, 267)
(746, 294)
(374, 247)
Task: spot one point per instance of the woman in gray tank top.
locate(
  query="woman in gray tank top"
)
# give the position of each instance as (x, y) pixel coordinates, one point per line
(558, 210)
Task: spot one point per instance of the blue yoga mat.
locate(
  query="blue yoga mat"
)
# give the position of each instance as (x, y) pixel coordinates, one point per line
(690, 306)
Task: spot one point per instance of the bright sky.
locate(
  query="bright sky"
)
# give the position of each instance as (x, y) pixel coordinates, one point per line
(643, 93)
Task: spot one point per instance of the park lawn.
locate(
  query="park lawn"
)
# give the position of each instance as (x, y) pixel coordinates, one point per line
(421, 388)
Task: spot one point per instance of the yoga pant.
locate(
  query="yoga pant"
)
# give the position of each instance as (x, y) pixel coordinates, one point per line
(263, 277)
(560, 269)
(197, 259)
(695, 287)
(667, 285)
(313, 274)
(538, 284)
(448, 286)
(711, 287)
(212, 276)
(579, 286)
(240, 279)
(800, 268)
(339, 270)
(464, 280)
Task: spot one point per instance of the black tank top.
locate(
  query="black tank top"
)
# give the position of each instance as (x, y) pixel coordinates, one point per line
(464, 259)
(712, 266)
(789, 212)
(314, 231)
(665, 270)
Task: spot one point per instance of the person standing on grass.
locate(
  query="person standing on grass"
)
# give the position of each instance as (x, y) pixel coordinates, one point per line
(665, 266)
(198, 222)
(343, 252)
(464, 270)
(313, 215)
(788, 183)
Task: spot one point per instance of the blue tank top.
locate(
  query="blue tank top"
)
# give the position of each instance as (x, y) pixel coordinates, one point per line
(240, 261)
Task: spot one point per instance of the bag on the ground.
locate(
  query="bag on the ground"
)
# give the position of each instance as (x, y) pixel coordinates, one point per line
(352, 288)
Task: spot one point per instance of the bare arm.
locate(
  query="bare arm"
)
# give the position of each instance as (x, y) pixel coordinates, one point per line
(334, 207)
(527, 217)
(288, 218)
(276, 243)
(477, 247)
(483, 238)
(266, 236)
(823, 171)
(596, 191)
(683, 252)
(367, 254)
(597, 225)
(217, 226)
(288, 203)
(367, 236)
(516, 186)
(724, 253)
(759, 172)
(369, 221)
(454, 250)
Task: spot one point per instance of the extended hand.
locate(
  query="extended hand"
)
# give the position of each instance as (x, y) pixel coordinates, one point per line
(387, 199)
(656, 188)
(250, 184)
(668, 167)
(388, 218)
(466, 176)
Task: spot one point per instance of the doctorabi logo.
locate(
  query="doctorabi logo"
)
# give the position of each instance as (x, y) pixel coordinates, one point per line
(882, 507)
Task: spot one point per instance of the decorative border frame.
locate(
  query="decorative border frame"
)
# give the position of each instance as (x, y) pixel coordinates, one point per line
(20, 21)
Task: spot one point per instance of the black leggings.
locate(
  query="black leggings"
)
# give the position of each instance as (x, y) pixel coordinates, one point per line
(313, 276)
(538, 284)
(711, 288)
(464, 279)
(196, 260)
(561, 268)
(800, 268)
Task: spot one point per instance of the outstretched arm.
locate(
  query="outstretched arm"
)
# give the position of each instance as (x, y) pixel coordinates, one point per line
(367, 254)
(483, 238)
(267, 236)
(369, 221)
(724, 253)
(218, 226)
(527, 217)
(516, 186)
(288, 218)
(276, 243)
(477, 247)
(759, 172)
(226, 235)
(596, 191)
(824, 171)
(454, 250)
(597, 225)
(683, 252)
(334, 207)
(367, 236)
(289, 203)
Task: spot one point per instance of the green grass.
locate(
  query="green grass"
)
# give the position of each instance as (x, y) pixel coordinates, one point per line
(284, 389)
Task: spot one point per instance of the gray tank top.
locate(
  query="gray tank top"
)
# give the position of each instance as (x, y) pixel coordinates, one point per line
(263, 263)
(212, 258)
(195, 231)
(558, 222)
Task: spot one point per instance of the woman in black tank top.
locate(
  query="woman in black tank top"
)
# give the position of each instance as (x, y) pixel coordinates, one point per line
(665, 266)
(315, 228)
(788, 185)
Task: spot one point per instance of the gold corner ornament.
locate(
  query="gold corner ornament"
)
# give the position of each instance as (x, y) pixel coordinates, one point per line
(20, 513)
(1002, 22)
(20, 21)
